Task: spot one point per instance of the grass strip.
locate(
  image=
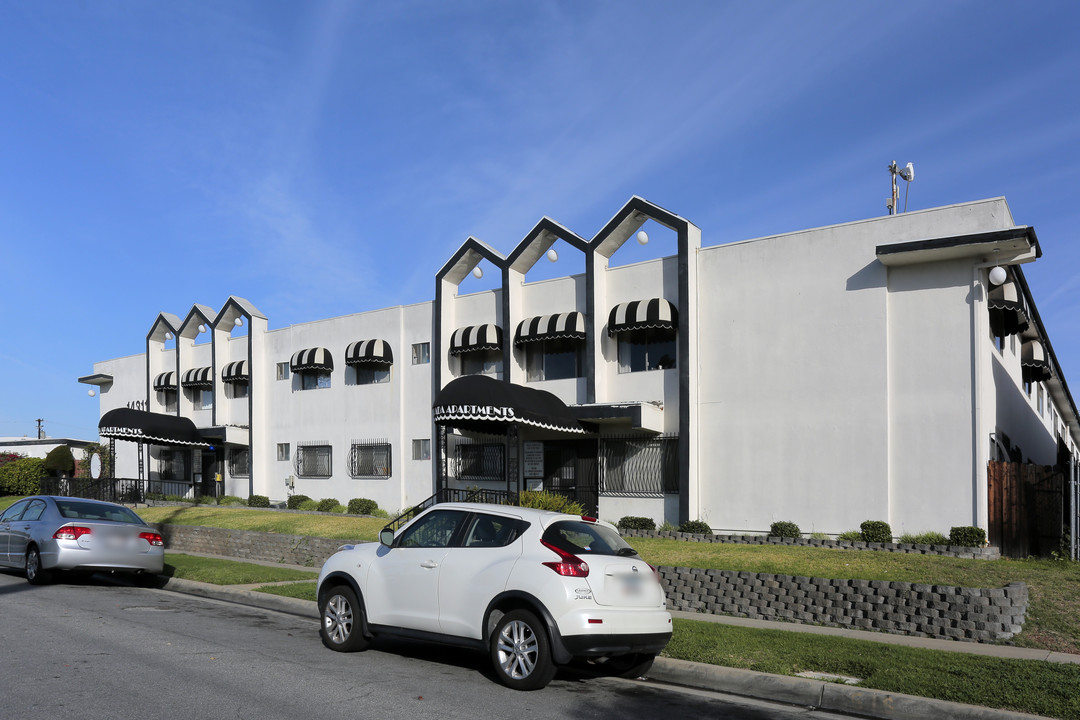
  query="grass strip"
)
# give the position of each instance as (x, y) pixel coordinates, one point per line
(1053, 620)
(301, 591)
(228, 572)
(1031, 686)
(342, 527)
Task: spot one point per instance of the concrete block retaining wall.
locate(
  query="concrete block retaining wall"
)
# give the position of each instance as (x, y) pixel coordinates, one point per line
(973, 614)
(942, 611)
(978, 553)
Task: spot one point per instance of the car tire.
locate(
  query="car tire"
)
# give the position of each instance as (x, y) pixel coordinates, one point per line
(341, 627)
(630, 666)
(521, 651)
(35, 574)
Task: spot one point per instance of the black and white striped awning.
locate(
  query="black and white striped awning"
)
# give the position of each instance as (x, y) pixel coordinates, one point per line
(550, 327)
(1008, 313)
(1034, 364)
(236, 372)
(151, 428)
(165, 381)
(318, 359)
(198, 378)
(639, 314)
(476, 337)
(369, 352)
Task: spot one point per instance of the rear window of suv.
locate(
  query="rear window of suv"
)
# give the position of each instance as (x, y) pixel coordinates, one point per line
(578, 537)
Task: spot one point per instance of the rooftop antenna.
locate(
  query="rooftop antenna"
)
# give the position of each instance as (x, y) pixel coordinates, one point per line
(908, 174)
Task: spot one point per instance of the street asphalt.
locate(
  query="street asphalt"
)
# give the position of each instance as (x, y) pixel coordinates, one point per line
(811, 693)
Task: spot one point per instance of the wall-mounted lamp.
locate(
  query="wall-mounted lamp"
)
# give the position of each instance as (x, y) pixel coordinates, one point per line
(478, 272)
(91, 392)
(998, 275)
(202, 328)
(238, 321)
(642, 237)
(552, 255)
(168, 336)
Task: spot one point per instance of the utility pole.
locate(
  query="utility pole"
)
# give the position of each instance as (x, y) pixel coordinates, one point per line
(40, 430)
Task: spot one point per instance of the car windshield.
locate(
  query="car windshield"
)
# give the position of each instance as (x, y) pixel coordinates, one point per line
(78, 510)
(584, 538)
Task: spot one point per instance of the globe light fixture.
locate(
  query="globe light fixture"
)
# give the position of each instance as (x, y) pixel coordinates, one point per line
(642, 237)
(998, 275)
(91, 392)
(202, 328)
(478, 272)
(552, 255)
(238, 321)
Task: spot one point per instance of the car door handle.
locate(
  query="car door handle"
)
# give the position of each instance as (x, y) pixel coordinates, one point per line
(429, 564)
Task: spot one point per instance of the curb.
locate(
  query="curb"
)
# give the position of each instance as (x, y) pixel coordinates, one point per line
(815, 694)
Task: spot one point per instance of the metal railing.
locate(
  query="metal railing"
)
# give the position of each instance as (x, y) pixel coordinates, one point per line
(476, 495)
(118, 490)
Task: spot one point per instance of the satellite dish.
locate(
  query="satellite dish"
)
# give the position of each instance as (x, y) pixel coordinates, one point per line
(908, 172)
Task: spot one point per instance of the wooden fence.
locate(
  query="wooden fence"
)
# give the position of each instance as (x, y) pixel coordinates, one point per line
(1027, 508)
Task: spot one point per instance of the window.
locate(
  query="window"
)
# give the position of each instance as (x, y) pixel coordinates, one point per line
(369, 459)
(493, 531)
(283, 371)
(421, 353)
(239, 462)
(12, 513)
(168, 399)
(203, 399)
(168, 464)
(239, 389)
(421, 449)
(314, 380)
(647, 349)
(372, 374)
(314, 460)
(481, 362)
(436, 529)
(479, 461)
(554, 359)
(33, 511)
(1040, 398)
(639, 467)
(283, 452)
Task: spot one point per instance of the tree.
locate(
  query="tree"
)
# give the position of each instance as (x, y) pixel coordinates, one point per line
(60, 462)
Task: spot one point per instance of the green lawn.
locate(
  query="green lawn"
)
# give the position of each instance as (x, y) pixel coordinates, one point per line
(343, 527)
(228, 572)
(302, 591)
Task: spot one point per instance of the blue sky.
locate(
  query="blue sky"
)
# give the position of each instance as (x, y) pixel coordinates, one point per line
(325, 158)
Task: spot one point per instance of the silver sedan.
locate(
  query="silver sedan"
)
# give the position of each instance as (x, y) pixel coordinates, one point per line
(45, 533)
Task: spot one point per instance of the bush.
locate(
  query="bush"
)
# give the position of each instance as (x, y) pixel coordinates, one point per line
(699, 527)
(926, 538)
(229, 500)
(850, 536)
(295, 501)
(327, 505)
(155, 496)
(634, 522)
(206, 500)
(818, 536)
(380, 513)
(784, 529)
(60, 462)
(308, 504)
(667, 527)
(543, 500)
(22, 476)
(259, 501)
(362, 506)
(877, 531)
(967, 536)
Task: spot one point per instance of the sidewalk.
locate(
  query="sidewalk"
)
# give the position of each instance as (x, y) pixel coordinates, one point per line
(822, 695)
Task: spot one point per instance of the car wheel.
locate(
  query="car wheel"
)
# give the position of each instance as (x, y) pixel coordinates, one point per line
(35, 574)
(521, 652)
(341, 627)
(630, 666)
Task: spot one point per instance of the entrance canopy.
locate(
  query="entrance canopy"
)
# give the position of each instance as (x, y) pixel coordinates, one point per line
(484, 404)
(148, 427)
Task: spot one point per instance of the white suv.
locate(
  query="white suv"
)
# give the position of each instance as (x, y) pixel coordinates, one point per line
(535, 589)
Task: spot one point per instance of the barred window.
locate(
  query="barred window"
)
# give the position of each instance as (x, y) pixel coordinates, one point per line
(239, 462)
(168, 466)
(632, 467)
(369, 458)
(480, 461)
(314, 459)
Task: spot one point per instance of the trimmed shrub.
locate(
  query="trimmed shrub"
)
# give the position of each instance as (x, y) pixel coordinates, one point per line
(818, 536)
(229, 500)
(327, 505)
(877, 531)
(259, 501)
(543, 500)
(380, 513)
(698, 527)
(60, 462)
(295, 501)
(155, 496)
(308, 504)
(850, 536)
(634, 522)
(784, 529)
(362, 506)
(967, 536)
(174, 498)
(206, 500)
(22, 476)
(667, 527)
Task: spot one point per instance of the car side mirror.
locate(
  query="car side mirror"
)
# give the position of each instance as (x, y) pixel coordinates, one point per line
(386, 537)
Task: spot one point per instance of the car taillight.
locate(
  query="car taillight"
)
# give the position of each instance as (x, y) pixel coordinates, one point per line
(567, 564)
(71, 532)
(589, 518)
(655, 572)
(152, 538)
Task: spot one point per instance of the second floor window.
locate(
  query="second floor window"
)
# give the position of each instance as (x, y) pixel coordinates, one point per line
(313, 380)
(647, 349)
(421, 353)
